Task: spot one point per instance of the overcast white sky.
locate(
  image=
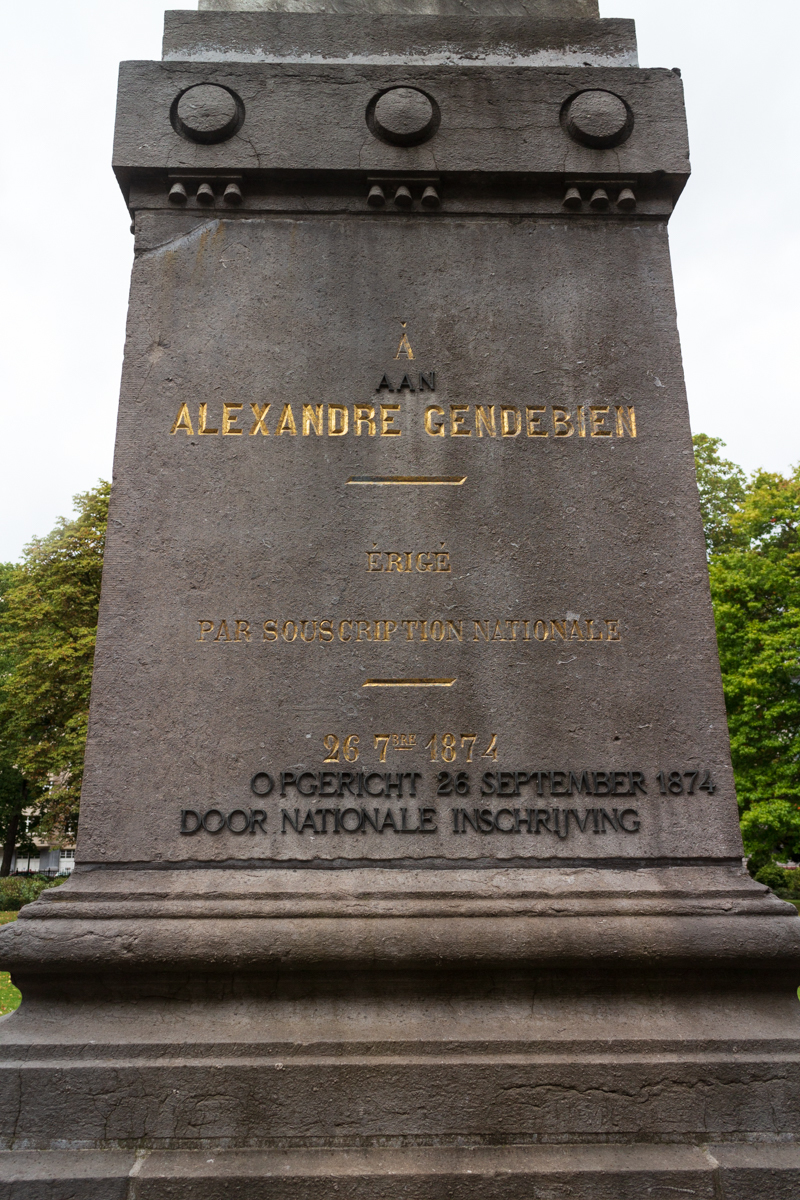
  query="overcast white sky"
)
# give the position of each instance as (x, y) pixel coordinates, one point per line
(65, 249)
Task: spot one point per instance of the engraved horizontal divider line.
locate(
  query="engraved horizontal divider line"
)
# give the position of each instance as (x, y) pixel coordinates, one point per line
(523, 1050)
(613, 862)
(394, 480)
(408, 682)
(557, 907)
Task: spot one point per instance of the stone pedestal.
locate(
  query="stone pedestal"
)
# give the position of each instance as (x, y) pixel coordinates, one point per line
(409, 862)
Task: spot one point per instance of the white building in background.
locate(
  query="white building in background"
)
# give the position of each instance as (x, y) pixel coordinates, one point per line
(47, 859)
(54, 860)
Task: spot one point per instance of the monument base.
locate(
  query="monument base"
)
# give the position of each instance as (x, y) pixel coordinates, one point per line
(579, 1172)
(584, 1033)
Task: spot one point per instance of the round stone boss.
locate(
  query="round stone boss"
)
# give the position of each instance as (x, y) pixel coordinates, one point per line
(404, 116)
(207, 113)
(597, 118)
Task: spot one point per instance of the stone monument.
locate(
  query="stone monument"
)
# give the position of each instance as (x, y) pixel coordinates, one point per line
(409, 862)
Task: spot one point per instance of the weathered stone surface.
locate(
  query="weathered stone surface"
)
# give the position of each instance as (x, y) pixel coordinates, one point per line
(505, 917)
(581, 1172)
(318, 37)
(171, 583)
(538, 9)
(409, 857)
(502, 121)
(206, 113)
(598, 118)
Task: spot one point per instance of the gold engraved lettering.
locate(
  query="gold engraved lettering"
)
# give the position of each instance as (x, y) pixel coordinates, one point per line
(509, 420)
(446, 746)
(484, 416)
(312, 419)
(442, 561)
(228, 420)
(395, 562)
(259, 412)
(491, 749)
(202, 426)
(597, 419)
(625, 423)
(562, 422)
(408, 683)
(183, 421)
(338, 420)
(364, 414)
(432, 413)
(456, 420)
(534, 415)
(398, 741)
(388, 429)
(331, 744)
(405, 344)
(424, 562)
(286, 422)
(374, 560)
(350, 748)
(495, 630)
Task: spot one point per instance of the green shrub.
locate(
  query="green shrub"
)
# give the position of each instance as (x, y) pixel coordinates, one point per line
(792, 884)
(773, 876)
(18, 890)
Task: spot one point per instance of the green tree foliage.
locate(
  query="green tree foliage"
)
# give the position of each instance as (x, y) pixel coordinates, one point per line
(722, 489)
(771, 830)
(48, 619)
(14, 789)
(753, 537)
(15, 827)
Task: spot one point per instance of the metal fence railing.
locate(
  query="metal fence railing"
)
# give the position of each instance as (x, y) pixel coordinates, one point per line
(48, 874)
